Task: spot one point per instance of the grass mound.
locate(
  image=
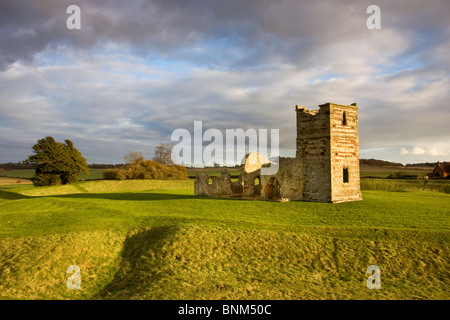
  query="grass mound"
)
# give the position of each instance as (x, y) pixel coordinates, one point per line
(151, 239)
(197, 262)
(108, 186)
(35, 267)
(193, 262)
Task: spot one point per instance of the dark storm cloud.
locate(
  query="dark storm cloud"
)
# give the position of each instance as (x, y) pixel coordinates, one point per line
(219, 33)
(240, 31)
(248, 63)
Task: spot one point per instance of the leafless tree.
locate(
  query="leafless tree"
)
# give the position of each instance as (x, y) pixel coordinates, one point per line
(163, 154)
(133, 157)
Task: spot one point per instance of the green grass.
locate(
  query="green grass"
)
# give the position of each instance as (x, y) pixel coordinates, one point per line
(433, 185)
(383, 172)
(144, 239)
(28, 173)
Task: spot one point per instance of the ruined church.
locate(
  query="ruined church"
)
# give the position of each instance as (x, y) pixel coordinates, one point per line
(325, 168)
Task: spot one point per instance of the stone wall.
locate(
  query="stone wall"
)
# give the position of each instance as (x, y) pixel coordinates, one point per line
(325, 169)
(313, 149)
(254, 161)
(344, 153)
(251, 184)
(287, 182)
(328, 143)
(219, 186)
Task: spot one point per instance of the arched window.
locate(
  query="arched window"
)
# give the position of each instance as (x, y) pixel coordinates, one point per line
(345, 175)
(344, 119)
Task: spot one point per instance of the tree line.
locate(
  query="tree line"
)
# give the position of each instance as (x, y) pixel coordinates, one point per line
(380, 163)
(32, 166)
(61, 163)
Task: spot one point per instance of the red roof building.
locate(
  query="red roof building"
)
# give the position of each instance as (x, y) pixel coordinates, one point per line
(442, 170)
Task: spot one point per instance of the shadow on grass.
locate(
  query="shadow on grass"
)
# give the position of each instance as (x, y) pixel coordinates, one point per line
(146, 196)
(8, 195)
(127, 196)
(144, 263)
(132, 196)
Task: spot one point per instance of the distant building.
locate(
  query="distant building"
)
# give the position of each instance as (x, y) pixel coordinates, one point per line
(442, 170)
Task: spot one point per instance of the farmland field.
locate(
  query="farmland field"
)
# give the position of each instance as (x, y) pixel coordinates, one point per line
(28, 173)
(6, 181)
(366, 170)
(146, 239)
(383, 172)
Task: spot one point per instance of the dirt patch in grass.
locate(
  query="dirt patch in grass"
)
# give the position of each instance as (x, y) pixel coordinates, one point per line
(4, 181)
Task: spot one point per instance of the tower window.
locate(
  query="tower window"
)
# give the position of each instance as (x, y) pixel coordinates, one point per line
(345, 175)
(344, 119)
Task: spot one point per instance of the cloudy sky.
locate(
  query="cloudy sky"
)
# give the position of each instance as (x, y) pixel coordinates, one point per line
(138, 70)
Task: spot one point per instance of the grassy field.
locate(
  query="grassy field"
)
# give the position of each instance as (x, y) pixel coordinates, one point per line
(374, 171)
(8, 181)
(383, 172)
(434, 185)
(155, 240)
(366, 170)
(28, 173)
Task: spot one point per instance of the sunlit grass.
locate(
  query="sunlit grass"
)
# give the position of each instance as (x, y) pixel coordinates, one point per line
(146, 239)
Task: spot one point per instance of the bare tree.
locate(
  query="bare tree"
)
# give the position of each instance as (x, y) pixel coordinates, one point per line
(133, 157)
(163, 154)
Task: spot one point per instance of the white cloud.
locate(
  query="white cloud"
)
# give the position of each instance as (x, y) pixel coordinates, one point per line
(133, 81)
(440, 149)
(418, 150)
(434, 149)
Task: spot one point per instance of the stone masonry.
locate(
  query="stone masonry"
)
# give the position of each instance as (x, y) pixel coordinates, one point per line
(328, 149)
(325, 169)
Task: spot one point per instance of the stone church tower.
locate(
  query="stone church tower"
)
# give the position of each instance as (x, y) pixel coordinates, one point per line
(328, 151)
(325, 169)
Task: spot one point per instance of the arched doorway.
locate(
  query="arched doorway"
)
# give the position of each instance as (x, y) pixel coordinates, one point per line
(272, 190)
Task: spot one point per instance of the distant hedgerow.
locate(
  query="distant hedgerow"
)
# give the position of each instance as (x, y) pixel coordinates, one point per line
(146, 170)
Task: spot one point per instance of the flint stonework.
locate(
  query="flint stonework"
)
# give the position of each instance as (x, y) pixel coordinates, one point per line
(325, 169)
